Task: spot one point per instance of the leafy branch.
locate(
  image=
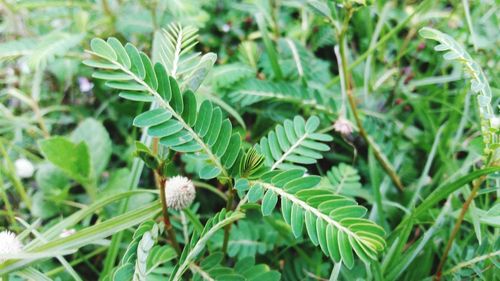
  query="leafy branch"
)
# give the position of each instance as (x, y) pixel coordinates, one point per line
(294, 142)
(479, 85)
(199, 240)
(490, 133)
(178, 122)
(333, 222)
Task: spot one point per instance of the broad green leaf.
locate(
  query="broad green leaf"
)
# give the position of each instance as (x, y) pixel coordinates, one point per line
(51, 180)
(98, 141)
(73, 159)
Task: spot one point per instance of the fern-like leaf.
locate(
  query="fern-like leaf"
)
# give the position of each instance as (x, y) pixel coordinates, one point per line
(343, 177)
(177, 122)
(177, 41)
(134, 263)
(158, 256)
(210, 269)
(14, 49)
(199, 240)
(479, 85)
(173, 48)
(227, 75)
(249, 238)
(249, 54)
(252, 91)
(41, 50)
(333, 222)
(294, 142)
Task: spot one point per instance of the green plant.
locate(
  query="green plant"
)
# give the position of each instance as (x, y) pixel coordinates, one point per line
(249, 140)
(180, 126)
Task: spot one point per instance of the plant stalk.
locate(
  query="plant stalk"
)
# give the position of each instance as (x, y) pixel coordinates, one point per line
(161, 181)
(160, 184)
(458, 223)
(421, 7)
(5, 198)
(18, 185)
(135, 175)
(352, 102)
(227, 228)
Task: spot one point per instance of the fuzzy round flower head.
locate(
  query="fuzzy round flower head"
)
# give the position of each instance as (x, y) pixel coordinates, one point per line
(24, 168)
(179, 192)
(343, 126)
(9, 244)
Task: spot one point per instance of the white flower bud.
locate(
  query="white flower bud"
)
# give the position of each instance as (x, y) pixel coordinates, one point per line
(179, 192)
(67, 232)
(343, 126)
(24, 168)
(9, 244)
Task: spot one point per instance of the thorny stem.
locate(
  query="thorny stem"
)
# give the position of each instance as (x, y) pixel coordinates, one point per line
(160, 181)
(352, 102)
(458, 223)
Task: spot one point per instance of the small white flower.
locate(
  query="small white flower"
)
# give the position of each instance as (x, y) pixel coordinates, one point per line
(85, 84)
(179, 192)
(9, 244)
(495, 122)
(57, 23)
(67, 232)
(226, 27)
(9, 71)
(24, 67)
(343, 126)
(24, 168)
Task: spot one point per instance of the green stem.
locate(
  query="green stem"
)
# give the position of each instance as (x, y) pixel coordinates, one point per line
(268, 43)
(471, 262)
(18, 185)
(109, 13)
(275, 8)
(227, 228)
(375, 182)
(458, 223)
(352, 102)
(161, 184)
(135, 176)
(382, 41)
(5, 198)
(91, 188)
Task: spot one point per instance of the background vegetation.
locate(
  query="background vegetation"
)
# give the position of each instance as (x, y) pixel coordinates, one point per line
(326, 139)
